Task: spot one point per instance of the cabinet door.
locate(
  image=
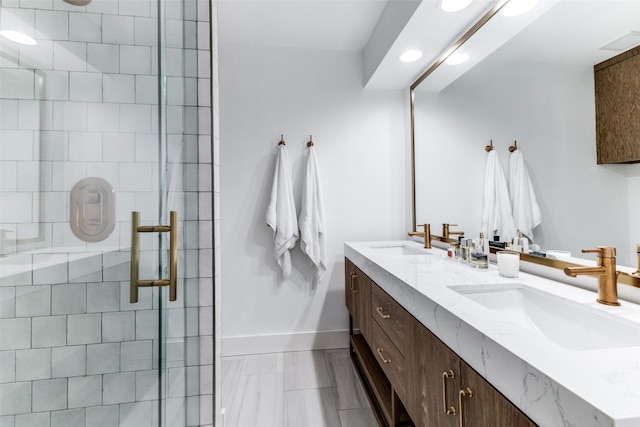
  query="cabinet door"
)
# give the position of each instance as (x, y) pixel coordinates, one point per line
(617, 91)
(363, 301)
(433, 379)
(484, 405)
(350, 278)
(358, 297)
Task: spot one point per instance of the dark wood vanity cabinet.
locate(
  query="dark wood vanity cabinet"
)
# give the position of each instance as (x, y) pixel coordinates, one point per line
(617, 92)
(357, 298)
(486, 406)
(445, 391)
(411, 377)
(434, 385)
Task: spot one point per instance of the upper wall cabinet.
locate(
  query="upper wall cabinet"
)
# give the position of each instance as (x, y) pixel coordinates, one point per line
(617, 85)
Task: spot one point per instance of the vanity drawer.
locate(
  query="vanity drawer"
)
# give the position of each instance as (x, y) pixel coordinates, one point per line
(390, 359)
(389, 315)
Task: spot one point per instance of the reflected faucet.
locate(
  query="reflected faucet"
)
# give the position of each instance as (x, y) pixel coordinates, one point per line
(605, 272)
(446, 233)
(635, 276)
(426, 234)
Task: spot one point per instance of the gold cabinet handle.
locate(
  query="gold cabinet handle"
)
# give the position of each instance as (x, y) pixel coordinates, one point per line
(384, 316)
(449, 410)
(380, 351)
(462, 394)
(172, 282)
(354, 288)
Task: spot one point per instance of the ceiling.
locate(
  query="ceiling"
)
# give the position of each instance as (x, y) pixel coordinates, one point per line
(348, 25)
(311, 24)
(599, 29)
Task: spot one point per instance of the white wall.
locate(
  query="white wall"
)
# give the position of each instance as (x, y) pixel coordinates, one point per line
(360, 143)
(550, 111)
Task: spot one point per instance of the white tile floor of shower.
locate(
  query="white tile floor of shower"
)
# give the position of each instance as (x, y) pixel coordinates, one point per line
(307, 388)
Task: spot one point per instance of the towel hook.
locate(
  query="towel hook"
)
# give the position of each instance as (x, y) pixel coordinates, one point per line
(310, 143)
(514, 147)
(282, 140)
(489, 147)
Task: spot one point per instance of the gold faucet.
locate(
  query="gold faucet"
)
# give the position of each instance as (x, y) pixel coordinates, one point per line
(635, 276)
(605, 271)
(446, 233)
(426, 234)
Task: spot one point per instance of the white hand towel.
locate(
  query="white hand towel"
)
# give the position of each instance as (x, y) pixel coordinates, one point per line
(526, 211)
(281, 212)
(496, 213)
(313, 238)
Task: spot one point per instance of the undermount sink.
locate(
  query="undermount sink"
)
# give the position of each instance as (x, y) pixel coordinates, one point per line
(568, 323)
(398, 249)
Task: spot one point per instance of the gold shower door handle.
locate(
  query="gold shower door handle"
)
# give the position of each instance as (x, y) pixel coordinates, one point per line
(172, 229)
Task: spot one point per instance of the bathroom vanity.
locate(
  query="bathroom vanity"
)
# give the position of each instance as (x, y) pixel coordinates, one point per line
(439, 343)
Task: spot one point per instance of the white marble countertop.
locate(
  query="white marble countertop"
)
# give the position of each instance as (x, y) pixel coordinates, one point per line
(554, 384)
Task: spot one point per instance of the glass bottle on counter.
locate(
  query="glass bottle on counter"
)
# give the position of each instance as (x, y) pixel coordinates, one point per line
(483, 244)
(478, 258)
(451, 250)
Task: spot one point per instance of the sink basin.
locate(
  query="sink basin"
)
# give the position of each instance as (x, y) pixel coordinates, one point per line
(568, 323)
(399, 249)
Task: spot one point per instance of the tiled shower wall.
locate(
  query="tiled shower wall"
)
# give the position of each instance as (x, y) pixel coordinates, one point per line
(73, 351)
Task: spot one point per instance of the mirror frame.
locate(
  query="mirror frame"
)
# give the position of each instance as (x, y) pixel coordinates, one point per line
(547, 262)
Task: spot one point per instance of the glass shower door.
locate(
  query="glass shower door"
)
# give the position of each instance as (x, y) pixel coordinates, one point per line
(97, 122)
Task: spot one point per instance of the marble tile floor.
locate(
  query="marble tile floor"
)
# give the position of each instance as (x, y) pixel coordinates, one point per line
(297, 389)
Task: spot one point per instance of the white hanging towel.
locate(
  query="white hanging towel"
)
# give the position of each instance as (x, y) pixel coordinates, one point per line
(313, 238)
(281, 212)
(496, 214)
(526, 211)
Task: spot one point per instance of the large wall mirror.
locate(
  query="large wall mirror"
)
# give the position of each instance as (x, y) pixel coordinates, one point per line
(530, 79)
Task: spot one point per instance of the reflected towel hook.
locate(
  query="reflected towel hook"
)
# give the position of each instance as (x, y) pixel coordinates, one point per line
(310, 143)
(489, 147)
(514, 147)
(282, 140)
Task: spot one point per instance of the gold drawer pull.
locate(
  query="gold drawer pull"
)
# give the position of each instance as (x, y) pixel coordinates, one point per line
(461, 395)
(384, 316)
(380, 351)
(172, 281)
(354, 288)
(451, 410)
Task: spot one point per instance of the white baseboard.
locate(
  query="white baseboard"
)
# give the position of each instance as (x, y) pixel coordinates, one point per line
(277, 343)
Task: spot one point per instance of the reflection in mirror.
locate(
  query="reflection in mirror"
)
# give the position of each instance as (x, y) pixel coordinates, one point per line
(536, 86)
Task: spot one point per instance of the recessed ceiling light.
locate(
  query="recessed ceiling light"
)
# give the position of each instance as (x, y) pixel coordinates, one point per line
(518, 7)
(454, 5)
(410, 55)
(457, 58)
(17, 37)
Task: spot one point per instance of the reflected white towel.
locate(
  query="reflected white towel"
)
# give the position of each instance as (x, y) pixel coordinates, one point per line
(313, 239)
(496, 214)
(525, 208)
(281, 212)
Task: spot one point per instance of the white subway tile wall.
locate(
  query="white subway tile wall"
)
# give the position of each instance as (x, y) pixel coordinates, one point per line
(82, 102)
